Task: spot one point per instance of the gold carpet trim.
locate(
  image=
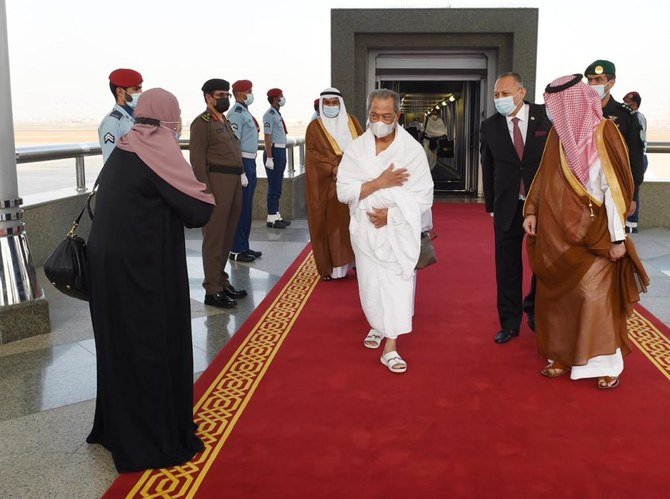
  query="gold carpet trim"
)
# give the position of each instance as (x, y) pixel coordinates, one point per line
(222, 404)
(651, 342)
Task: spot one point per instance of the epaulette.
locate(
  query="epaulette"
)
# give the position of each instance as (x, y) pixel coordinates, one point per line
(272, 111)
(238, 109)
(116, 114)
(627, 108)
(206, 117)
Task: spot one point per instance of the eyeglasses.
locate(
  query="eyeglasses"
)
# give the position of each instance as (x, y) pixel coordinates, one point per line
(386, 118)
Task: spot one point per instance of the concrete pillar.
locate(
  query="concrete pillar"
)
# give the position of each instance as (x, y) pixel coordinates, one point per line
(23, 310)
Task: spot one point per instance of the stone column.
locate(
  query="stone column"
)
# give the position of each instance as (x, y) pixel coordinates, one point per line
(23, 310)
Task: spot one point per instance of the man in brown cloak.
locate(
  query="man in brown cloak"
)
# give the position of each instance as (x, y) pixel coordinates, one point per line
(326, 138)
(588, 273)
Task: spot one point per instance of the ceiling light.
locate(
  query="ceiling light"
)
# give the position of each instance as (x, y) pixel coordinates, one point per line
(444, 103)
(452, 98)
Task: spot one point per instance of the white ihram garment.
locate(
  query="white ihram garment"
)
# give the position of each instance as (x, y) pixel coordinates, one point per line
(386, 257)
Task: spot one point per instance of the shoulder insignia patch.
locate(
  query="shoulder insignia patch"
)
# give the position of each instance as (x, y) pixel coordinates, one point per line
(206, 116)
(108, 138)
(267, 124)
(233, 126)
(116, 114)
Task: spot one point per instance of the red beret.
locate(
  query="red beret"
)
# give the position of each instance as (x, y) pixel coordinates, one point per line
(275, 92)
(125, 78)
(316, 101)
(242, 86)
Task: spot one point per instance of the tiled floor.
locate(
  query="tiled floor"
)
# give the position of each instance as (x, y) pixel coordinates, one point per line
(47, 383)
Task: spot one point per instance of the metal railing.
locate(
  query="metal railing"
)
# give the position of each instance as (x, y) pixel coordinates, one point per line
(78, 152)
(36, 154)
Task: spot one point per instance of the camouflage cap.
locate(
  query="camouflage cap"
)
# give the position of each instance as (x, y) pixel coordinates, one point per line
(600, 67)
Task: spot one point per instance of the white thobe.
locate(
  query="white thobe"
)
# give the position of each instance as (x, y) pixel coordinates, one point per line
(603, 365)
(386, 257)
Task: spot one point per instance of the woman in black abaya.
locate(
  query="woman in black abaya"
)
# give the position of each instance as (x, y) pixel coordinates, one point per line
(139, 293)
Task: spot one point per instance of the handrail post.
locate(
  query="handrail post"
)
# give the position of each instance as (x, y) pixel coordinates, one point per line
(301, 150)
(291, 160)
(81, 173)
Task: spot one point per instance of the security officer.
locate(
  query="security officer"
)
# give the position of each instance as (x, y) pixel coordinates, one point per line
(246, 129)
(216, 159)
(274, 156)
(633, 100)
(601, 75)
(126, 86)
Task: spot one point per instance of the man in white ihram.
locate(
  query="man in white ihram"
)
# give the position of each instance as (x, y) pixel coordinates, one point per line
(385, 180)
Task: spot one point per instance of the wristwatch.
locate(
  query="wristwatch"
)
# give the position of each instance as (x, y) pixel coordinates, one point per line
(618, 242)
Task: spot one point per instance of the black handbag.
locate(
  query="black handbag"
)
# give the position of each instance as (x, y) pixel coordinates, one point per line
(66, 267)
(427, 254)
(445, 148)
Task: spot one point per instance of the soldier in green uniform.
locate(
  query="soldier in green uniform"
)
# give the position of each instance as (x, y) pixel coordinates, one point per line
(601, 75)
(216, 158)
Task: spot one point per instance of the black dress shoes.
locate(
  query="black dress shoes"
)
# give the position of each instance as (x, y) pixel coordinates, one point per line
(255, 254)
(505, 335)
(234, 293)
(221, 300)
(241, 257)
(278, 224)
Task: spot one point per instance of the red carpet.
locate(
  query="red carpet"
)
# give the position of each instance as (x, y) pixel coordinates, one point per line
(296, 407)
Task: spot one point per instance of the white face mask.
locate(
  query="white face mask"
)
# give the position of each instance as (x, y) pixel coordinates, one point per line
(282, 101)
(173, 130)
(601, 90)
(505, 105)
(331, 111)
(132, 104)
(381, 129)
(249, 100)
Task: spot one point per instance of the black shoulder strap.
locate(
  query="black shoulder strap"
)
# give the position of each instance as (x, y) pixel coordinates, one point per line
(86, 207)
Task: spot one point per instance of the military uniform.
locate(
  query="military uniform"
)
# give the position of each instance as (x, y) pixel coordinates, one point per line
(273, 125)
(119, 122)
(114, 126)
(629, 126)
(216, 158)
(246, 129)
(625, 119)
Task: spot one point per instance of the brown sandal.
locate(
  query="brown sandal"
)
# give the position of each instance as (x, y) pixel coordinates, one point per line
(553, 371)
(608, 382)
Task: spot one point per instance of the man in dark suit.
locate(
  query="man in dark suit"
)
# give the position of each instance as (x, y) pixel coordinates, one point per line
(512, 142)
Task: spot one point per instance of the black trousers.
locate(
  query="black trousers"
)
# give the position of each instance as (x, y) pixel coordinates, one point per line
(509, 274)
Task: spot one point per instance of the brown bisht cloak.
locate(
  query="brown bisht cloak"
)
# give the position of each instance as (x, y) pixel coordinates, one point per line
(582, 299)
(328, 218)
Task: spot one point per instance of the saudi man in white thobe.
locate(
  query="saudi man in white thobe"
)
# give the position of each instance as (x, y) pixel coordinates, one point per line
(385, 180)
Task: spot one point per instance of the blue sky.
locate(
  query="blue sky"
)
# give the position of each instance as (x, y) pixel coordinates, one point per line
(62, 52)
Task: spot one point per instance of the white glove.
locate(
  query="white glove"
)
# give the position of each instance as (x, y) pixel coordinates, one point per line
(270, 164)
(245, 180)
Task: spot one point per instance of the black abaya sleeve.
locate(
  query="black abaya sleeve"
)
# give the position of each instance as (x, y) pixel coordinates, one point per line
(192, 212)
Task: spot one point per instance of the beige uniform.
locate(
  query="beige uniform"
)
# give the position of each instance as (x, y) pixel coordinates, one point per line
(216, 159)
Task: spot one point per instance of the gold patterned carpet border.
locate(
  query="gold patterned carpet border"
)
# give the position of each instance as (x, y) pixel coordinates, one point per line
(222, 404)
(650, 341)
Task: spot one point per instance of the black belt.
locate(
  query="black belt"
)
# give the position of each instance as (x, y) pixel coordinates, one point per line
(231, 170)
